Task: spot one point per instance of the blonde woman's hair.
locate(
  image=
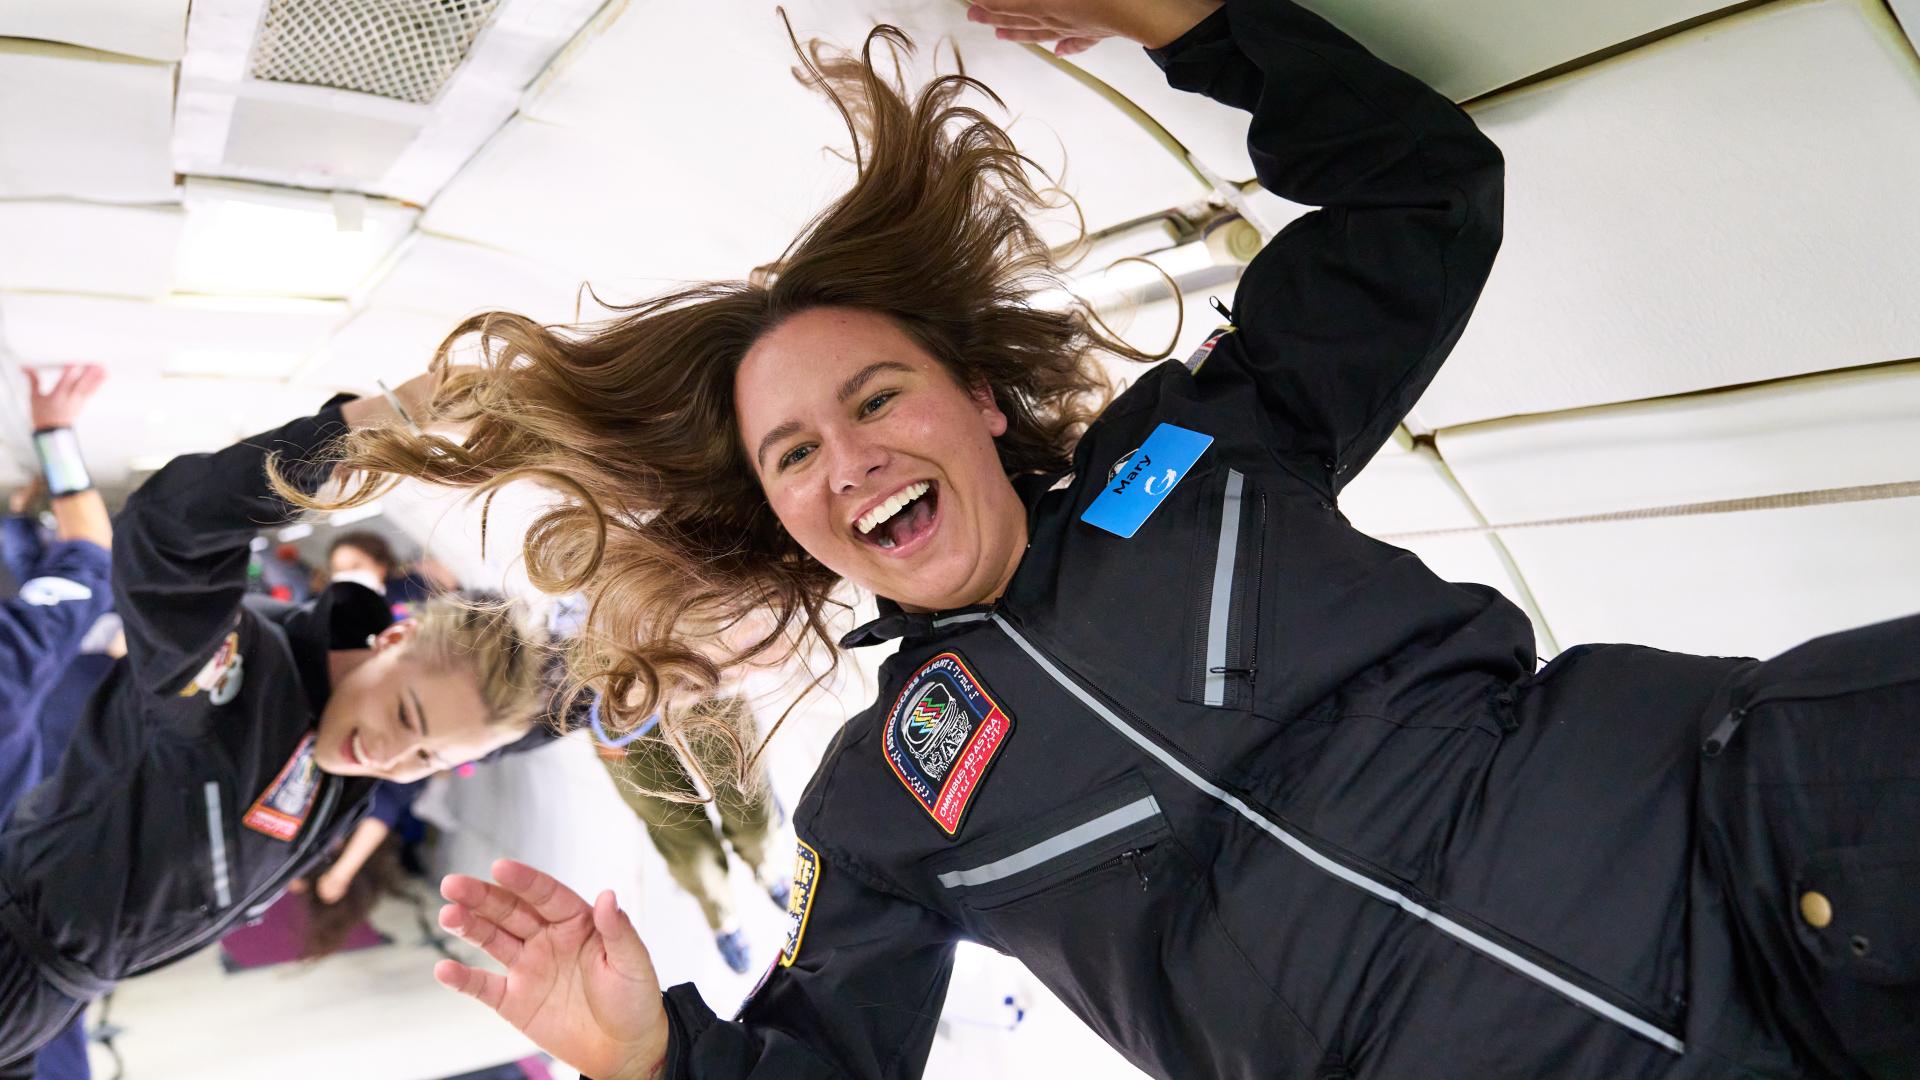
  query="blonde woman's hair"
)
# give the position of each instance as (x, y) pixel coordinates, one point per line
(489, 639)
(663, 526)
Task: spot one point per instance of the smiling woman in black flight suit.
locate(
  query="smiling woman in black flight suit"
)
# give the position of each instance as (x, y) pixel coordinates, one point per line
(237, 740)
(1254, 794)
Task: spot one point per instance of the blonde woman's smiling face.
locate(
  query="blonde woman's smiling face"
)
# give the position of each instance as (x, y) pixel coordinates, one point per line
(877, 461)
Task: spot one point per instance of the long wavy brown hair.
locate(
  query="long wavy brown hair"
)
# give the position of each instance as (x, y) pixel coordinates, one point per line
(663, 525)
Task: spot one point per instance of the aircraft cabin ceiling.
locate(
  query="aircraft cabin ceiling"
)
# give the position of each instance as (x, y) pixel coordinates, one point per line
(1686, 412)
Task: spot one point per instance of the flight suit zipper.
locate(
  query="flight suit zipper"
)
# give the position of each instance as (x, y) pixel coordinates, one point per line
(1564, 982)
(1723, 732)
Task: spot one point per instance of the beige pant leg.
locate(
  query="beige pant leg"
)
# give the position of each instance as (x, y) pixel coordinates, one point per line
(680, 831)
(746, 820)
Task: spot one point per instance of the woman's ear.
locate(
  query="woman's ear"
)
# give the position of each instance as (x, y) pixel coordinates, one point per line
(397, 634)
(982, 396)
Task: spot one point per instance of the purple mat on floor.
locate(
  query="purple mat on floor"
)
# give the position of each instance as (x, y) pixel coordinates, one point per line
(278, 936)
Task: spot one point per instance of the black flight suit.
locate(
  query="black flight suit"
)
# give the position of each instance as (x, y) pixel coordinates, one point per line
(1259, 796)
(182, 805)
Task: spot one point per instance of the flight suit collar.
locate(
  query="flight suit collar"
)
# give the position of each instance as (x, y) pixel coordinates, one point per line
(895, 622)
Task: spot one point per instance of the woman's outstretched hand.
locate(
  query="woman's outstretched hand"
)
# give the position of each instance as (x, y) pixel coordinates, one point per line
(579, 982)
(1078, 25)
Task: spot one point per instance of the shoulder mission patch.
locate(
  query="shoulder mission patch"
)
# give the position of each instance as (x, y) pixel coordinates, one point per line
(282, 809)
(942, 734)
(806, 879)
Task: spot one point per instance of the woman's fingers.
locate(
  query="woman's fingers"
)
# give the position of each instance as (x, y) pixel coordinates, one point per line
(485, 987)
(626, 953)
(980, 14)
(549, 899)
(481, 932)
(1031, 36)
(493, 902)
(1073, 46)
(91, 376)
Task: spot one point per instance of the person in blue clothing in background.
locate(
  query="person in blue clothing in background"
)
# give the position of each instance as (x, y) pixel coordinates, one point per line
(63, 590)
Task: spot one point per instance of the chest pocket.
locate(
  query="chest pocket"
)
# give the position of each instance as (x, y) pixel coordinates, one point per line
(1222, 632)
(1112, 833)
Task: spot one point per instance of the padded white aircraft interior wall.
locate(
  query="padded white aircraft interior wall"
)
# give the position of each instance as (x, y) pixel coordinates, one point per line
(1706, 294)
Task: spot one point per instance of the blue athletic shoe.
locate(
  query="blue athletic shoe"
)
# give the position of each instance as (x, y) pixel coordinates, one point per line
(781, 893)
(735, 950)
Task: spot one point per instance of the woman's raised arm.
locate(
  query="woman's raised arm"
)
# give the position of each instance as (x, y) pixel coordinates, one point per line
(1345, 316)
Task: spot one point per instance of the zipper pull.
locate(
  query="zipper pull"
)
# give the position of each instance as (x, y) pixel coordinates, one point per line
(1246, 673)
(1722, 733)
(1132, 859)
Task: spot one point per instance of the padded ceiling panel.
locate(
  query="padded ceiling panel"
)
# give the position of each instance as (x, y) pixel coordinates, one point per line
(55, 245)
(154, 29)
(1463, 48)
(84, 124)
(1731, 205)
(1743, 583)
(604, 208)
(759, 138)
(456, 279)
(393, 344)
(263, 338)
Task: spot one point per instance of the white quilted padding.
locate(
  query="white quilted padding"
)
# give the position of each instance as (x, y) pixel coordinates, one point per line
(606, 180)
(153, 29)
(604, 206)
(55, 245)
(1753, 582)
(1463, 49)
(454, 279)
(1731, 205)
(180, 335)
(387, 343)
(84, 124)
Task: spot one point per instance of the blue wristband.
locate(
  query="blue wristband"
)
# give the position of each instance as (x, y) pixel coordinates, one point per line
(60, 461)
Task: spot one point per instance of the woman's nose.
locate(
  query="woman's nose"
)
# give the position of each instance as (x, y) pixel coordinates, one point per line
(853, 460)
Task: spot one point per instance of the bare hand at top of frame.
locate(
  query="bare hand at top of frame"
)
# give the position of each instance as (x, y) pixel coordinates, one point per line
(1078, 25)
(60, 404)
(579, 982)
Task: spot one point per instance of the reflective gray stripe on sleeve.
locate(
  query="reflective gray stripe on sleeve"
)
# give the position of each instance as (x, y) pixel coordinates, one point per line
(217, 844)
(1055, 846)
(1476, 941)
(1215, 676)
(965, 617)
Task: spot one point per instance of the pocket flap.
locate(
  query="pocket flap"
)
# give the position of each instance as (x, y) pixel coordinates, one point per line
(1059, 844)
(1871, 924)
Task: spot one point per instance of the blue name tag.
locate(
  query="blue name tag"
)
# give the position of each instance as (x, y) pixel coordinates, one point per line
(1141, 481)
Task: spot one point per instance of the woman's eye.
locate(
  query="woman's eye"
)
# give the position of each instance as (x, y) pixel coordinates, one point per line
(795, 456)
(869, 406)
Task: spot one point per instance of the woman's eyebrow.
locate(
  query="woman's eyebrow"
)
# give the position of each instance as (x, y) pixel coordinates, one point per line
(779, 432)
(847, 389)
(852, 386)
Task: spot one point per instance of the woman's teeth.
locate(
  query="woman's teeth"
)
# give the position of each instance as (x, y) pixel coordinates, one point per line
(358, 749)
(877, 516)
